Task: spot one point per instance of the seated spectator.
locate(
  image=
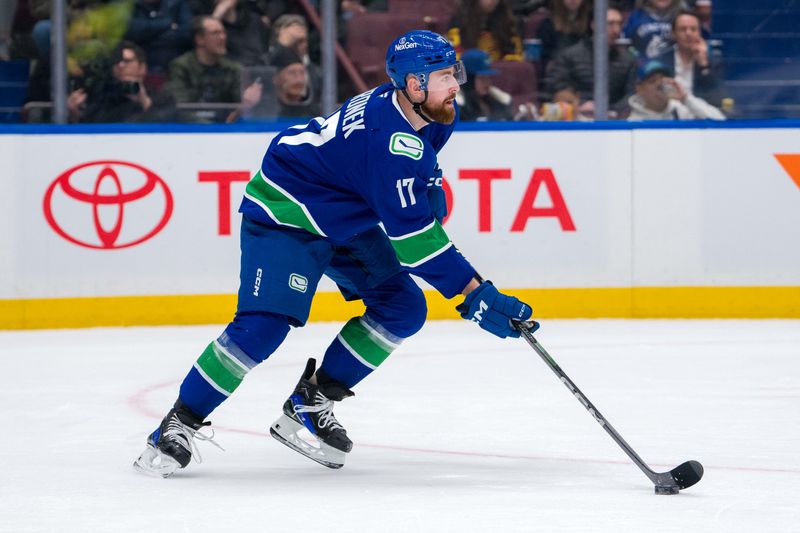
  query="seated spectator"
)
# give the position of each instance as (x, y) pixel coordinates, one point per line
(205, 75)
(702, 8)
(650, 27)
(123, 97)
(565, 105)
(94, 28)
(245, 26)
(291, 31)
(296, 95)
(574, 65)
(660, 97)
(163, 28)
(479, 99)
(695, 70)
(567, 24)
(94, 31)
(488, 25)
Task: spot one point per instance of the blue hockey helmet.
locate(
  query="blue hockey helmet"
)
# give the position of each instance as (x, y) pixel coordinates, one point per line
(420, 52)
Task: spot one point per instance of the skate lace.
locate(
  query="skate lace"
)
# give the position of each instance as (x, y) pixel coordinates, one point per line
(324, 407)
(187, 434)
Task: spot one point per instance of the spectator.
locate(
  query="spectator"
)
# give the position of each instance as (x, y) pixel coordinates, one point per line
(702, 8)
(163, 28)
(479, 99)
(246, 26)
(291, 31)
(660, 97)
(296, 95)
(575, 65)
(567, 24)
(488, 25)
(205, 75)
(123, 97)
(650, 27)
(565, 105)
(94, 28)
(695, 70)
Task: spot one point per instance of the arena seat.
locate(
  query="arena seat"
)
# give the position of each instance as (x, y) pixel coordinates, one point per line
(518, 78)
(369, 34)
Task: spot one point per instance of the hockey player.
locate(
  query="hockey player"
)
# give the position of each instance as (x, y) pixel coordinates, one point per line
(313, 209)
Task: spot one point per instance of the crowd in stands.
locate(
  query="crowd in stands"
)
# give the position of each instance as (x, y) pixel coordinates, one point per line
(229, 60)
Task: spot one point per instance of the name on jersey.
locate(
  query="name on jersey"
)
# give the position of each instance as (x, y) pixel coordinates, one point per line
(354, 113)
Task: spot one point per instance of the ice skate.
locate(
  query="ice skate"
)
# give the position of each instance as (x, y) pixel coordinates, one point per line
(171, 446)
(310, 407)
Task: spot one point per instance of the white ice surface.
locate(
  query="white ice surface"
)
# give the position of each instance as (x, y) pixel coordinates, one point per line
(457, 431)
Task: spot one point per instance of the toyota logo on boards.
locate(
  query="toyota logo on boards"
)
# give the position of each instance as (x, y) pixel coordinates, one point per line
(108, 205)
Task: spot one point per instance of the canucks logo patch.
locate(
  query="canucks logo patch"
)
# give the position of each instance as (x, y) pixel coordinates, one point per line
(298, 282)
(407, 145)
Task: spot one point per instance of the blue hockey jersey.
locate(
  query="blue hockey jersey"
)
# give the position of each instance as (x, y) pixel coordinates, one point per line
(650, 34)
(364, 164)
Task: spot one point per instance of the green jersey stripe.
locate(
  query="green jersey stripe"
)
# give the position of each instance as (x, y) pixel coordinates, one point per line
(355, 354)
(368, 348)
(415, 248)
(281, 206)
(218, 369)
(210, 381)
(390, 345)
(427, 228)
(221, 349)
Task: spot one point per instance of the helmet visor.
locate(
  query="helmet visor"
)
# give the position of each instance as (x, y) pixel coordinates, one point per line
(446, 78)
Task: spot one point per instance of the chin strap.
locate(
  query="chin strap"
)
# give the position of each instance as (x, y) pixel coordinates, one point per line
(418, 106)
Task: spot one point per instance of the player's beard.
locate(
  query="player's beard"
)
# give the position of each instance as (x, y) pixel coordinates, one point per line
(444, 114)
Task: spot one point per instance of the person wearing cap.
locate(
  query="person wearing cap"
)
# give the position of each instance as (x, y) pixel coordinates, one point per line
(479, 99)
(296, 95)
(659, 97)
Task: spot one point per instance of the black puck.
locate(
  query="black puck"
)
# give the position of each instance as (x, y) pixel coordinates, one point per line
(667, 489)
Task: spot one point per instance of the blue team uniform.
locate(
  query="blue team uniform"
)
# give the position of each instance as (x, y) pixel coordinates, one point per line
(314, 208)
(356, 196)
(339, 177)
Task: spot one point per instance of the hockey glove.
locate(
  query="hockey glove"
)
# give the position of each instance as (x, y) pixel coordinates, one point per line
(493, 310)
(437, 200)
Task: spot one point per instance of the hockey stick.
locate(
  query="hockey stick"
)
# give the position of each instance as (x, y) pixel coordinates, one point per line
(680, 477)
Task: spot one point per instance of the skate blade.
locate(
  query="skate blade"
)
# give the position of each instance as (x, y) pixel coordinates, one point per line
(154, 463)
(285, 430)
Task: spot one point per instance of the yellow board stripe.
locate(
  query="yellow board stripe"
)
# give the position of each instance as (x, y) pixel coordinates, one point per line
(637, 302)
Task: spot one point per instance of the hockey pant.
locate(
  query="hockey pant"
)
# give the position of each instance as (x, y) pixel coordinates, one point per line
(280, 271)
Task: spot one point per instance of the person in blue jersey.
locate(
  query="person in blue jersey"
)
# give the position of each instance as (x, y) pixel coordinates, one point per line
(355, 196)
(649, 27)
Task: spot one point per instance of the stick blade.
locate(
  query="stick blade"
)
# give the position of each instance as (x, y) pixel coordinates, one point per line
(687, 474)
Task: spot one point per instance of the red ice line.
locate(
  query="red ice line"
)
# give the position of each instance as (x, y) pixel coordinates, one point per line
(138, 403)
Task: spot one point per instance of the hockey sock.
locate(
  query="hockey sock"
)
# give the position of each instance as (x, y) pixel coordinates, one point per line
(224, 363)
(361, 346)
